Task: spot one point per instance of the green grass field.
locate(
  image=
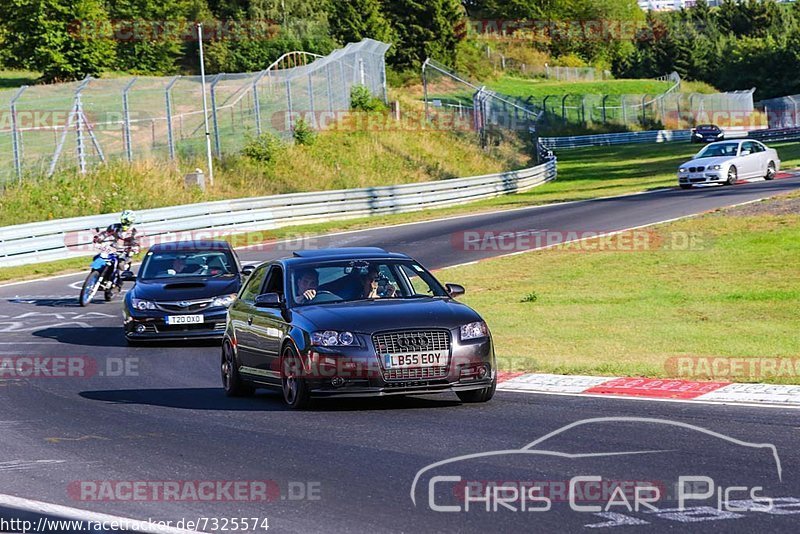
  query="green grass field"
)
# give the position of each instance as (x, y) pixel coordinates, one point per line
(733, 292)
(538, 88)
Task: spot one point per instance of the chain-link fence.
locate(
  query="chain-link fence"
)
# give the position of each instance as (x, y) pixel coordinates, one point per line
(489, 113)
(783, 112)
(48, 128)
(576, 74)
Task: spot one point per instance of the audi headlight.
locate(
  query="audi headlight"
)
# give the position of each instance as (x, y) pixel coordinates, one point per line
(474, 330)
(224, 301)
(332, 338)
(714, 167)
(142, 305)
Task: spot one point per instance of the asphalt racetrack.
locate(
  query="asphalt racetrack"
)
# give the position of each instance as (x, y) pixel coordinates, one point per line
(157, 416)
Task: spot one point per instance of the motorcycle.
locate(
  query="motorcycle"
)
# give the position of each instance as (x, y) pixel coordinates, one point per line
(105, 275)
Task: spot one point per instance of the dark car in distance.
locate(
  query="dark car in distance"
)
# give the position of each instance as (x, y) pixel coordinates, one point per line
(354, 322)
(183, 291)
(707, 133)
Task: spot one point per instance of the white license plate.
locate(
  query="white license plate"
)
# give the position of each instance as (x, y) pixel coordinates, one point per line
(185, 319)
(414, 359)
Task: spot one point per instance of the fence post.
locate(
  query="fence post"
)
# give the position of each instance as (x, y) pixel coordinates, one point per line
(644, 110)
(289, 101)
(311, 100)
(425, 87)
(126, 118)
(603, 103)
(678, 108)
(564, 107)
(217, 146)
(15, 133)
(330, 88)
(257, 102)
(624, 111)
(81, 148)
(170, 136)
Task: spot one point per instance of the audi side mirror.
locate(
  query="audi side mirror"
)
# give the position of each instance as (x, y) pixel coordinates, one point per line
(268, 300)
(746, 152)
(247, 270)
(455, 290)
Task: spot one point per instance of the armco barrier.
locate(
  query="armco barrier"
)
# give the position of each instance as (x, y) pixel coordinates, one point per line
(53, 240)
(650, 136)
(657, 136)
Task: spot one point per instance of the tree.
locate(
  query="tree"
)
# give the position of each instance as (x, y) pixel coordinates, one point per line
(425, 28)
(354, 20)
(151, 33)
(64, 39)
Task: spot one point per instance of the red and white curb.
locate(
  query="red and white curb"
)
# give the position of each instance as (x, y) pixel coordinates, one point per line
(716, 392)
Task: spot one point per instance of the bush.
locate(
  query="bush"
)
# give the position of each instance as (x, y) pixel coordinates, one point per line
(263, 148)
(361, 99)
(303, 133)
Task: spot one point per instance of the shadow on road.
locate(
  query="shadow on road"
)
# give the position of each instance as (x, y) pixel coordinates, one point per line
(215, 399)
(100, 336)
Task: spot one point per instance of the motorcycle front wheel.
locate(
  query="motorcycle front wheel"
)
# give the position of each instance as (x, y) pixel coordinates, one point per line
(90, 287)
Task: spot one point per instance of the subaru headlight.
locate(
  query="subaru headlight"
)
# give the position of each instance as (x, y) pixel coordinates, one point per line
(332, 338)
(142, 305)
(224, 301)
(474, 330)
(714, 167)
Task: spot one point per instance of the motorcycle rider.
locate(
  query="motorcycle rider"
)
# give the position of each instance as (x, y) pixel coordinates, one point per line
(120, 237)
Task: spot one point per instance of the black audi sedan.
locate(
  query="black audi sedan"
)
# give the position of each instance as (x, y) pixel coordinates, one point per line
(354, 322)
(707, 133)
(183, 291)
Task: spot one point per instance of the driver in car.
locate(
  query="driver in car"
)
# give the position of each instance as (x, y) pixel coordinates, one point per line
(307, 283)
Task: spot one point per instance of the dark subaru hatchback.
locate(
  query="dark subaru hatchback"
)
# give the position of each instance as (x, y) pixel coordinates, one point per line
(183, 291)
(354, 322)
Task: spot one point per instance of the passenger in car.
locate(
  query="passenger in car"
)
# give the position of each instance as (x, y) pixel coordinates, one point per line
(374, 285)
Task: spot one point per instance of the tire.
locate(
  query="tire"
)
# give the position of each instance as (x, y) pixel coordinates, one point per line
(108, 295)
(733, 176)
(295, 390)
(770, 171)
(474, 396)
(232, 381)
(686, 186)
(89, 288)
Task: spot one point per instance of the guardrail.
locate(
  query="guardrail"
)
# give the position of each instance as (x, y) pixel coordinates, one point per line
(776, 134)
(53, 240)
(649, 136)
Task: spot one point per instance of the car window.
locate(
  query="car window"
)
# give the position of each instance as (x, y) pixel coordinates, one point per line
(758, 147)
(253, 286)
(351, 280)
(182, 263)
(719, 150)
(274, 281)
(748, 146)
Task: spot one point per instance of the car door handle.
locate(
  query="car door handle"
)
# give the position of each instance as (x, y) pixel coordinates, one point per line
(250, 321)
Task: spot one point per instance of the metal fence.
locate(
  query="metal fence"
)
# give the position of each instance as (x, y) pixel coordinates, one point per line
(54, 240)
(783, 112)
(576, 74)
(47, 128)
(492, 113)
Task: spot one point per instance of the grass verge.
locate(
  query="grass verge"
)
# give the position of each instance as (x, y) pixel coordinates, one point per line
(722, 285)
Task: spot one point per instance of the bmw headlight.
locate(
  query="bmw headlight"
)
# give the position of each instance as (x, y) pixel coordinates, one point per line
(474, 330)
(682, 169)
(332, 338)
(714, 167)
(224, 301)
(142, 305)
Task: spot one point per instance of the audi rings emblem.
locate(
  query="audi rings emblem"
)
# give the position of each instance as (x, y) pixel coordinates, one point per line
(413, 342)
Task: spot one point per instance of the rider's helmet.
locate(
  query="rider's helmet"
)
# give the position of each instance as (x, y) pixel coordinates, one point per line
(127, 218)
